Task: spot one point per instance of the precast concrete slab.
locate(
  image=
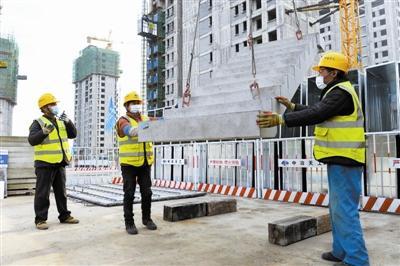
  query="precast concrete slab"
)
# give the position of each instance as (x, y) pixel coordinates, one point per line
(239, 238)
(108, 195)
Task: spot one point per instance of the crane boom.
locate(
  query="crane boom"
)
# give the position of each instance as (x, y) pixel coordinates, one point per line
(108, 41)
(350, 32)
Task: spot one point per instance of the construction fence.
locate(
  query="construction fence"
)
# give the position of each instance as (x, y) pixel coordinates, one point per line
(280, 164)
(278, 169)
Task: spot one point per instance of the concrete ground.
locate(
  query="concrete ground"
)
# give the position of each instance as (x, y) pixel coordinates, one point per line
(231, 239)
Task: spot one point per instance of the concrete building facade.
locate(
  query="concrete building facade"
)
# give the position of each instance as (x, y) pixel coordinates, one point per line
(8, 84)
(222, 31)
(96, 73)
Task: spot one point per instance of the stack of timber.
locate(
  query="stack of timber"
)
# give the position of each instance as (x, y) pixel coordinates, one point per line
(21, 179)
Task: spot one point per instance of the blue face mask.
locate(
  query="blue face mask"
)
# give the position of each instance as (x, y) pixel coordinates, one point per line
(54, 110)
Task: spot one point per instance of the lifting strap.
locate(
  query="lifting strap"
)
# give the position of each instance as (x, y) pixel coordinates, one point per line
(254, 88)
(187, 94)
(299, 34)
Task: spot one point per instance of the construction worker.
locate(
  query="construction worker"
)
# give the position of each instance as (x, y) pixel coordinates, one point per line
(339, 143)
(49, 135)
(136, 159)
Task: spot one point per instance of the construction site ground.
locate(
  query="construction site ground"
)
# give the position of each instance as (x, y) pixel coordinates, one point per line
(239, 238)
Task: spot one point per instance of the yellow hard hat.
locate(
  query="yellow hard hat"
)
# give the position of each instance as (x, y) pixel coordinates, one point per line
(333, 60)
(46, 99)
(132, 96)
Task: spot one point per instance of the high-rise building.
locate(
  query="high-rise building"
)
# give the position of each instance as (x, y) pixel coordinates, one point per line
(95, 76)
(8, 83)
(379, 31)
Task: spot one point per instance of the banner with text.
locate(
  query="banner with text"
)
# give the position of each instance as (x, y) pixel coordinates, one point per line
(173, 161)
(224, 162)
(304, 163)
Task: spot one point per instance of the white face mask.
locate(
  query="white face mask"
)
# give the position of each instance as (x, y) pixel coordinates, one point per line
(319, 81)
(54, 109)
(134, 108)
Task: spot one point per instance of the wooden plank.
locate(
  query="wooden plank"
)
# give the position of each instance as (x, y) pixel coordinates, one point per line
(21, 181)
(21, 192)
(185, 210)
(14, 173)
(20, 186)
(290, 230)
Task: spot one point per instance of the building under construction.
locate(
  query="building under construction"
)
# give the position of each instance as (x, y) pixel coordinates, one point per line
(95, 76)
(8, 83)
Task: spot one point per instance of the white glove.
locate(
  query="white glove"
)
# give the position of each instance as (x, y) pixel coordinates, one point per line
(133, 132)
(64, 118)
(144, 125)
(47, 129)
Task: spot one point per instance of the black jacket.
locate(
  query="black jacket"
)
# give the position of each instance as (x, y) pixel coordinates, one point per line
(337, 102)
(36, 137)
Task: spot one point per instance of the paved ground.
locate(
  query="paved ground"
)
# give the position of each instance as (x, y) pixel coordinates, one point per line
(230, 239)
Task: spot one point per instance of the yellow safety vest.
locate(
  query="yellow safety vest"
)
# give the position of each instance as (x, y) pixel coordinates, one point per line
(131, 151)
(342, 136)
(51, 149)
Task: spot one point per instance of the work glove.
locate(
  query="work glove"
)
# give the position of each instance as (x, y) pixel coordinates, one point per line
(285, 101)
(269, 119)
(47, 129)
(64, 117)
(144, 125)
(133, 132)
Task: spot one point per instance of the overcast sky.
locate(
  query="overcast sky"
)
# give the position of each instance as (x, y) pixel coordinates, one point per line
(50, 34)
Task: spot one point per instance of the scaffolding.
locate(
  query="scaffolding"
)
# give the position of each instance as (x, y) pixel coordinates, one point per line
(152, 29)
(9, 75)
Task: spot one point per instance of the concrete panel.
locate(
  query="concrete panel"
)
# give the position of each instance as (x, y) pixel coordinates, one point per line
(227, 126)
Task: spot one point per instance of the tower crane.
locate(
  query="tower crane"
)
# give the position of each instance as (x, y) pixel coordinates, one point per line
(349, 25)
(106, 40)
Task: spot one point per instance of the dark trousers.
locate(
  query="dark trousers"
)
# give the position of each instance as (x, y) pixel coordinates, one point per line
(46, 178)
(129, 174)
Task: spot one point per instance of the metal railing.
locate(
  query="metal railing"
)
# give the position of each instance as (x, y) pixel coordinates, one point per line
(281, 164)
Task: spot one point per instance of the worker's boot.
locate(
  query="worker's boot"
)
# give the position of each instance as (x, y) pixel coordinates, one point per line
(329, 257)
(42, 225)
(70, 220)
(131, 228)
(149, 224)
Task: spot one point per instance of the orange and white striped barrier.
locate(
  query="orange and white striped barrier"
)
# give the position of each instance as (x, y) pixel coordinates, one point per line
(228, 190)
(381, 205)
(307, 198)
(369, 203)
(209, 188)
(117, 180)
(173, 184)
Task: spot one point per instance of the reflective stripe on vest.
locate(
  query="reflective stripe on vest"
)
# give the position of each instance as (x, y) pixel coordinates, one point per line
(51, 149)
(342, 136)
(131, 151)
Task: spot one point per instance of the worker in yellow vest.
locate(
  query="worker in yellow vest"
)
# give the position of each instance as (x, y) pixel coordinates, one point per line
(49, 135)
(339, 143)
(136, 159)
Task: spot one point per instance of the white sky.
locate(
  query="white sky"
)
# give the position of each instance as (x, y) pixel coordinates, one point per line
(51, 33)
